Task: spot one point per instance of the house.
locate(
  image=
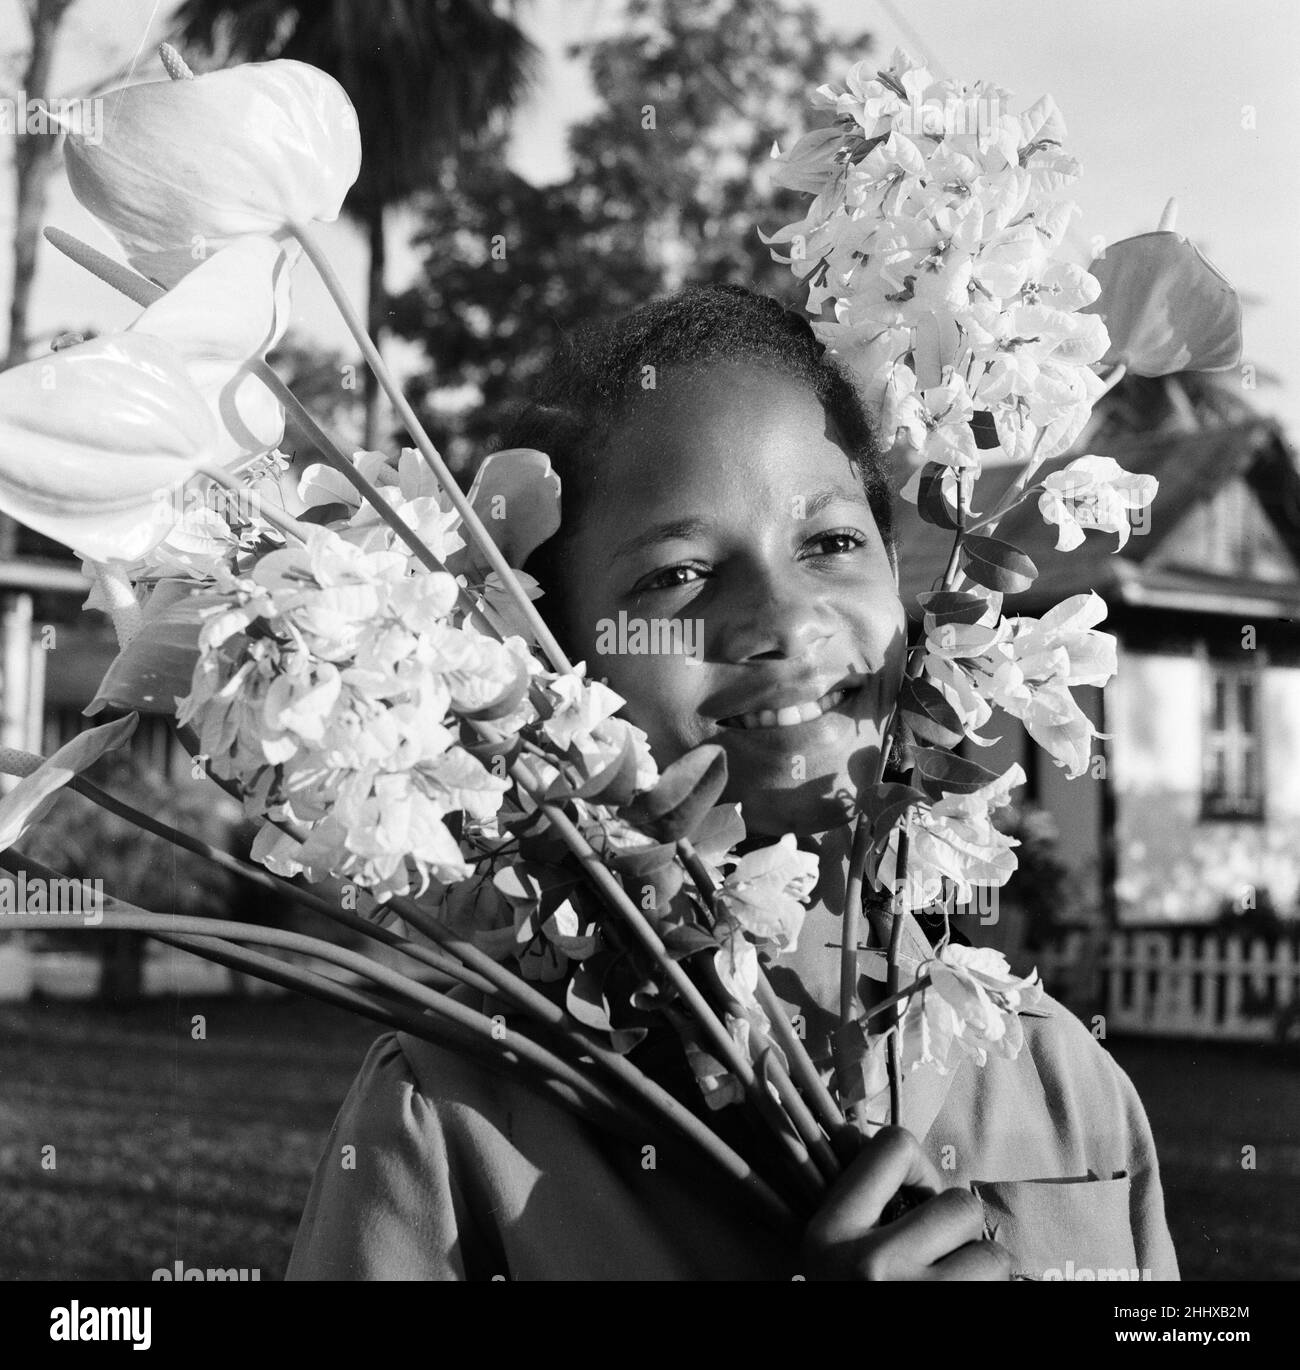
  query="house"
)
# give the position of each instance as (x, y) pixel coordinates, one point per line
(1192, 804)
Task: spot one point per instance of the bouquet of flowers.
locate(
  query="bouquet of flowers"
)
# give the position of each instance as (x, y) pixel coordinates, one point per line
(370, 678)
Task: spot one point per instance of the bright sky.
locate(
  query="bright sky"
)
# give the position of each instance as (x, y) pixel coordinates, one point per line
(1197, 99)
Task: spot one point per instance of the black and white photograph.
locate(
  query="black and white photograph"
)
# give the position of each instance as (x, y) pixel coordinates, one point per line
(650, 640)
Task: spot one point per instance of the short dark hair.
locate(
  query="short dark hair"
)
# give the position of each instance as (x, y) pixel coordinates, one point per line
(596, 374)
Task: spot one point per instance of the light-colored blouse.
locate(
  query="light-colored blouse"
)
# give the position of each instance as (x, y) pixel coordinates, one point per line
(439, 1170)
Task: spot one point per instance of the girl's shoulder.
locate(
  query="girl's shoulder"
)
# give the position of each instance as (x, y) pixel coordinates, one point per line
(462, 1173)
(1056, 1143)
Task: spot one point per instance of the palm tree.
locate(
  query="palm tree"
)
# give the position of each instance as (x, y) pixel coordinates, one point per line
(427, 77)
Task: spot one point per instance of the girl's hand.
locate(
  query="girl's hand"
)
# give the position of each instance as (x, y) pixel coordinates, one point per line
(942, 1238)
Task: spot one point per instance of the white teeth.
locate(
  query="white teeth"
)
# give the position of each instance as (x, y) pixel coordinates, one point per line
(789, 716)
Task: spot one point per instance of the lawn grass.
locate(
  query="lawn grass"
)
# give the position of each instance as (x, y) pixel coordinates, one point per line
(1206, 1102)
(170, 1148)
(166, 1147)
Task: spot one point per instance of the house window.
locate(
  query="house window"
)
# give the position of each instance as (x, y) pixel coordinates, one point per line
(1233, 784)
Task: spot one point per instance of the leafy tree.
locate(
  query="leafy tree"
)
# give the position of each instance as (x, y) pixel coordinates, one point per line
(668, 185)
(427, 78)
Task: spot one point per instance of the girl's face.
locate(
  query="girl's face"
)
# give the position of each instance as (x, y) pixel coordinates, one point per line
(726, 504)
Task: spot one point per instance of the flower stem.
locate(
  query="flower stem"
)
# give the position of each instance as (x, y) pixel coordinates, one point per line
(489, 1033)
(1015, 491)
(852, 929)
(470, 963)
(129, 918)
(246, 870)
(810, 1133)
(470, 518)
(805, 1074)
(400, 1018)
(335, 458)
(894, 999)
(522, 996)
(893, 972)
(1116, 375)
(144, 292)
(283, 523)
(989, 520)
(718, 1039)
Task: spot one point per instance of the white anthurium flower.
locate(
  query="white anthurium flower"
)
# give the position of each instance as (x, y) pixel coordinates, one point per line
(1167, 308)
(226, 314)
(94, 438)
(1094, 492)
(185, 167)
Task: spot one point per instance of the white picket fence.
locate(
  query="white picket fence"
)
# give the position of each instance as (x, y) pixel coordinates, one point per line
(1186, 983)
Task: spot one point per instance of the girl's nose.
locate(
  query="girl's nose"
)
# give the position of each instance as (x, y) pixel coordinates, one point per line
(767, 616)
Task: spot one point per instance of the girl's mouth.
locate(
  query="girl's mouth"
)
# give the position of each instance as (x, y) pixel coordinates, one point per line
(790, 716)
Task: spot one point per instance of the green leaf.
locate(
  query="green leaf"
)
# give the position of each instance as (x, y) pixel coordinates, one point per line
(997, 564)
(485, 751)
(614, 785)
(156, 667)
(943, 773)
(664, 877)
(681, 800)
(930, 502)
(638, 862)
(585, 998)
(889, 802)
(956, 606)
(928, 713)
(536, 885)
(687, 939)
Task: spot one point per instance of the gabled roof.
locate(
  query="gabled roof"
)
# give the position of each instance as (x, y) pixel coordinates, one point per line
(1192, 468)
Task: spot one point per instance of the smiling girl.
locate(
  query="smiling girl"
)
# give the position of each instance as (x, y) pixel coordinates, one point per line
(718, 468)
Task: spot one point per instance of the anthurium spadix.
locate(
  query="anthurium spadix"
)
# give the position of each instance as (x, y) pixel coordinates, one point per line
(93, 438)
(185, 167)
(1166, 308)
(226, 315)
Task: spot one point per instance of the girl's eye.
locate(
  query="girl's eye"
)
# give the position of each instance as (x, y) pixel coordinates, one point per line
(671, 577)
(837, 541)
